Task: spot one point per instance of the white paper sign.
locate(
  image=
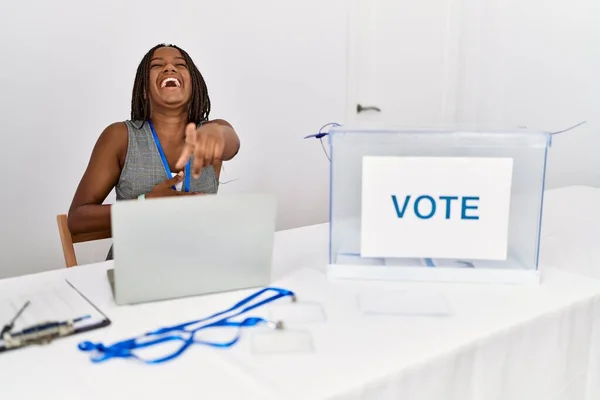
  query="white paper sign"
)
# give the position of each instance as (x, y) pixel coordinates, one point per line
(436, 207)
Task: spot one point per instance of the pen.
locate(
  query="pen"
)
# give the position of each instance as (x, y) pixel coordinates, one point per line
(8, 327)
(41, 333)
(48, 325)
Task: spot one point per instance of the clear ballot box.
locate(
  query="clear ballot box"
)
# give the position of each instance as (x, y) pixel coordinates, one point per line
(435, 205)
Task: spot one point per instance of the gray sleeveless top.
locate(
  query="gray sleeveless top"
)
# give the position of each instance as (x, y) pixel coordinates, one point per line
(143, 168)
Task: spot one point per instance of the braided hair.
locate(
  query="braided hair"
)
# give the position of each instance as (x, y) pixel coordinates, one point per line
(199, 107)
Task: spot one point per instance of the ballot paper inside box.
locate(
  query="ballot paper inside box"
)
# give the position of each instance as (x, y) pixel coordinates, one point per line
(434, 205)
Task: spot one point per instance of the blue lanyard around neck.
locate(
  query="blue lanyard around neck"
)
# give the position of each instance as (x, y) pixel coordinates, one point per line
(186, 335)
(186, 184)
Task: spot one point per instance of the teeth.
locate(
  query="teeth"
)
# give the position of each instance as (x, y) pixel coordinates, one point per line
(166, 80)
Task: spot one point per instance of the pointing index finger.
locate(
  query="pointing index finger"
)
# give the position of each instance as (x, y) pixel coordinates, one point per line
(188, 148)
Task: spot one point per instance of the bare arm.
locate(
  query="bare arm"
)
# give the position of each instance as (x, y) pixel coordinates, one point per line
(232, 141)
(87, 213)
(211, 144)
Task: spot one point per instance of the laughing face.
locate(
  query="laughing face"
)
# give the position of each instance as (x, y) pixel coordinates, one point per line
(170, 82)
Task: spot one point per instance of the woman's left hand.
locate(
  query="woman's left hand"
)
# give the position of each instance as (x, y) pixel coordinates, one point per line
(206, 143)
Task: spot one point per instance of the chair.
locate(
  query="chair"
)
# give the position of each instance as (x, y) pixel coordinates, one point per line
(69, 240)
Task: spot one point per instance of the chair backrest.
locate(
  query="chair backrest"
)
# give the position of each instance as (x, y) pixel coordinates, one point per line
(69, 240)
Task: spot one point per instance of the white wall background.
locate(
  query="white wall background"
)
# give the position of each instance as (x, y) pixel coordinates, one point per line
(501, 63)
(536, 64)
(277, 70)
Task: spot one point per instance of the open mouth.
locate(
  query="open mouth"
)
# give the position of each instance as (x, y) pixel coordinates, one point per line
(170, 83)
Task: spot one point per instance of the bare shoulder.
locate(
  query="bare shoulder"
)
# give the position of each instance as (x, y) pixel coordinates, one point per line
(115, 132)
(113, 141)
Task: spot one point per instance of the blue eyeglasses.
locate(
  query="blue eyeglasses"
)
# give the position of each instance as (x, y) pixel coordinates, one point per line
(184, 335)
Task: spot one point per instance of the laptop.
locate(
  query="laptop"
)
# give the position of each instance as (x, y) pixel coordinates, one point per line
(183, 246)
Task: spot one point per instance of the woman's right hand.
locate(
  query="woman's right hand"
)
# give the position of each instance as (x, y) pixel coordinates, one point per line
(165, 189)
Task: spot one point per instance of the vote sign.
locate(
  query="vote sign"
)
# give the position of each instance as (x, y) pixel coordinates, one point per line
(435, 207)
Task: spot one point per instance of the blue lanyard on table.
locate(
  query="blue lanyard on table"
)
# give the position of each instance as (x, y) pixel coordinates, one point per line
(186, 185)
(126, 348)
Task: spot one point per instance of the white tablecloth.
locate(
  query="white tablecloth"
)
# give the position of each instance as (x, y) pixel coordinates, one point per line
(571, 230)
(499, 342)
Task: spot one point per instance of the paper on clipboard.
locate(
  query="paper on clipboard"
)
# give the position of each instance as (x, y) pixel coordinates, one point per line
(48, 301)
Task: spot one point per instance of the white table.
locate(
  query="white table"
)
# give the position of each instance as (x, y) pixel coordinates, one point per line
(501, 342)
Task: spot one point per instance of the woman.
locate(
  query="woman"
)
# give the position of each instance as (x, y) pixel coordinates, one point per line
(168, 148)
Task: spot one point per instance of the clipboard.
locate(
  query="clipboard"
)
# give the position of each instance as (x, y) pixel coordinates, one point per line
(45, 312)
